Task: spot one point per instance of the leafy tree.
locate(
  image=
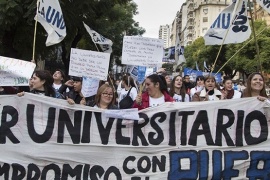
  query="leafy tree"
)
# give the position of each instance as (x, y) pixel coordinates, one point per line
(246, 61)
(111, 18)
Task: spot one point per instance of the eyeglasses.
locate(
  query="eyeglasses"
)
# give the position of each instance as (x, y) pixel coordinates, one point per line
(106, 95)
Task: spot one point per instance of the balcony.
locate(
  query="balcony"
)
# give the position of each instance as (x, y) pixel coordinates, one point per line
(190, 32)
(190, 10)
(190, 25)
(190, 3)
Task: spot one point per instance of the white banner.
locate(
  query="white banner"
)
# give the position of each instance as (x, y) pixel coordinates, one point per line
(233, 27)
(50, 16)
(90, 64)
(104, 43)
(46, 138)
(15, 72)
(142, 51)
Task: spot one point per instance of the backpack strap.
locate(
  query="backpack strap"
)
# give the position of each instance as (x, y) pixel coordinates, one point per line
(129, 91)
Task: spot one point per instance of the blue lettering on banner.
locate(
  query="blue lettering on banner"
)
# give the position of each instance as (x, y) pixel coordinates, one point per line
(266, 3)
(199, 162)
(240, 20)
(55, 18)
(222, 21)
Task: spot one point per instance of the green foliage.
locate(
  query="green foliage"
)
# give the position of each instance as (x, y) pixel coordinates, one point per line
(246, 61)
(111, 18)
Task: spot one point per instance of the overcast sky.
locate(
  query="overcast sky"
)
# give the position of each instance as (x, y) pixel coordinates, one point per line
(153, 13)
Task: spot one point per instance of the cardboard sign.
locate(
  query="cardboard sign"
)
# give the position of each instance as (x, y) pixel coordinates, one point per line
(142, 51)
(90, 64)
(15, 72)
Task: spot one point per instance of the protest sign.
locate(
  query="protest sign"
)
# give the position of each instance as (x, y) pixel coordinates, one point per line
(47, 138)
(141, 74)
(15, 72)
(89, 86)
(90, 64)
(142, 51)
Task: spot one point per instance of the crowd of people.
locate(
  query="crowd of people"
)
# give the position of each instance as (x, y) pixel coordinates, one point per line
(127, 93)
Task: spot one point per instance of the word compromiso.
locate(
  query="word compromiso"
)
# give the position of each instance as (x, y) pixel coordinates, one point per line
(79, 128)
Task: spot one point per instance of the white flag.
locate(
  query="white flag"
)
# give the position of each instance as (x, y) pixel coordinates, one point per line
(50, 16)
(236, 24)
(264, 4)
(181, 57)
(205, 66)
(197, 67)
(104, 43)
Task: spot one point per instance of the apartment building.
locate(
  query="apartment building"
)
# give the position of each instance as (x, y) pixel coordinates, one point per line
(165, 33)
(199, 16)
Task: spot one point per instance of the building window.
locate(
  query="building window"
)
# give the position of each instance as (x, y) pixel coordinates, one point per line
(205, 19)
(204, 30)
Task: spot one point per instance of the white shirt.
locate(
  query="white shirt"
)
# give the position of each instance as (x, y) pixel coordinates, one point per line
(178, 98)
(56, 86)
(153, 102)
(133, 94)
(194, 90)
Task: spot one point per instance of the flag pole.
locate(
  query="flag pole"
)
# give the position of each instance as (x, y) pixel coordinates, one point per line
(212, 68)
(108, 74)
(35, 32)
(240, 50)
(255, 39)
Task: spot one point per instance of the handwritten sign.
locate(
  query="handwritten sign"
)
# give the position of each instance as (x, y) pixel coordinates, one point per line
(90, 64)
(142, 51)
(15, 72)
(89, 86)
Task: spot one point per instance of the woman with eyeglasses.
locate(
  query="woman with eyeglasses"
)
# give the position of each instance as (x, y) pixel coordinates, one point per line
(105, 97)
(156, 93)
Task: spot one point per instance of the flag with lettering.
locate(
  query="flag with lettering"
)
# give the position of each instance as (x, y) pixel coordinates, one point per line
(104, 43)
(231, 26)
(179, 52)
(264, 4)
(50, 16)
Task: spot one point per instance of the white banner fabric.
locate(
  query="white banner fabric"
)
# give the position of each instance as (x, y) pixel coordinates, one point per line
(232, 24)
(104, 43)
(50, 16)
(46, 138)
(15, 72)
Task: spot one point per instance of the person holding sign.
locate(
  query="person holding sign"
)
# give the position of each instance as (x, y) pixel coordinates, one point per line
(178, 90)
(75, 96)
(209, 92)
(228, 92)
(41, 82)
(105, 97)
(156, 93)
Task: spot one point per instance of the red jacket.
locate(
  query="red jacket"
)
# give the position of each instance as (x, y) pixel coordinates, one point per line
(145, 100)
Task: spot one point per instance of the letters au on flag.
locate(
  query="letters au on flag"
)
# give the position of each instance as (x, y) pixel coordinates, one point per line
(50, 16)
(104, 43)
(232, 19)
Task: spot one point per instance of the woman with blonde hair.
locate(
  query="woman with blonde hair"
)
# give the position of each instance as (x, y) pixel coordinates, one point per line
(105, 97)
